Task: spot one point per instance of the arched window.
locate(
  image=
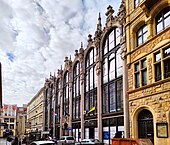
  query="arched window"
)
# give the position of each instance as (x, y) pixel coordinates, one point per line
(91, 82)
(76, 91)
(112, 73)
(163, 20)
(142, 35)
(137, 2)
(57, 105)
(66, 94)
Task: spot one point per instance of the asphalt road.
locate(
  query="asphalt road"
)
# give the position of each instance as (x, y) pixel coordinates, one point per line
(3, 142)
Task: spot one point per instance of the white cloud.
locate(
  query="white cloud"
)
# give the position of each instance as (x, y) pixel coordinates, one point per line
(36, 36)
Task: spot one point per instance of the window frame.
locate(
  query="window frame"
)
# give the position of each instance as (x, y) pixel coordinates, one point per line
(161, 15)
(142, 35)
(161, 62)
(140, 71)
(110, 57)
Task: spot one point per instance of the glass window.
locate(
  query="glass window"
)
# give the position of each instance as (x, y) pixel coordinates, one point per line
(163, 20)
(112, 73)
(76, 91)
(66, 94)
(137, 2)
(91, 82)
(142, 35)
(140, 72)
(158, 72)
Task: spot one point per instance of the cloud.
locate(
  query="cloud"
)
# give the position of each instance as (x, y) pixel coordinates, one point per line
(36, 36)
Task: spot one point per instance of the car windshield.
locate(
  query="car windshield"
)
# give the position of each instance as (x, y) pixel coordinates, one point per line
(70, 138)
(95, 140)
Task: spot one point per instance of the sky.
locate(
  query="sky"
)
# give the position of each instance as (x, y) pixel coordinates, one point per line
(37, 35)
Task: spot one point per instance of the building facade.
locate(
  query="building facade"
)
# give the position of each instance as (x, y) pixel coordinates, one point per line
(21, 121)
(8, 117)
(148, 61)
(85, 98)
(35, 113)
(0, 86)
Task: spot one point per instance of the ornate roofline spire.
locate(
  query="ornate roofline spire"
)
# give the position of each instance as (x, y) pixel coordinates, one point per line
(99, 25)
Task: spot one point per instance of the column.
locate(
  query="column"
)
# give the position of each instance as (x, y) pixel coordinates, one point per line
(99, 98)
(70, 108)
(82, 101)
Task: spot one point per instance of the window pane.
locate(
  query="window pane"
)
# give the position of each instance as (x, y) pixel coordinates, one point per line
(143, 63)
(119, 64)
(139, 40)
(167, 52)
(159, 27)
(167, 21)
(87, 81)
(158, 57)
(91, 56)
(144, 77)
(105, 100)
(111, 40)
(158, 72)
(105, 71)
(137, 67)
(167, 68)
(139, 33)
(91, 78)
(145, 36)
(112, 97)
(137, 80)
(112, 69)
(117, 36)
(119, 95)
(105, 47)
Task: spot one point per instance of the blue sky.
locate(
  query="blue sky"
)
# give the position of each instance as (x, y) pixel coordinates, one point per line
(36, 36)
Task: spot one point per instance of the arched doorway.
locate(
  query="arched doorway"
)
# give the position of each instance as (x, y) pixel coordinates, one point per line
(145, 125)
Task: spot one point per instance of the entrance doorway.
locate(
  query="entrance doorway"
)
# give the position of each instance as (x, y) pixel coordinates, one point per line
(91, 133)
(145, 125)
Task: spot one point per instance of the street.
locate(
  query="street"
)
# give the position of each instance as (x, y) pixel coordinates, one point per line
(3, 142)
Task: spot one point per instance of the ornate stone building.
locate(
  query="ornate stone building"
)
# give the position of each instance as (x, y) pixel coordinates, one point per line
(35, 113)
(148, 61)
(85, 98)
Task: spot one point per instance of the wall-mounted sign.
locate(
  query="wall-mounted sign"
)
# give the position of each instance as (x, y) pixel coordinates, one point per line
(162, 130)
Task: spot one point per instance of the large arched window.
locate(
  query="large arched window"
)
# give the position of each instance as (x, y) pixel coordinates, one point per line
(112, 73)
(142, 35)
(57, 105)
(66, 94)
(163, 20)
(91, 82)
(76, 91)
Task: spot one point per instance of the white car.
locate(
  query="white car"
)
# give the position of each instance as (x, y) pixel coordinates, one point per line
(45, 142)
(64, 140)
(90, 141)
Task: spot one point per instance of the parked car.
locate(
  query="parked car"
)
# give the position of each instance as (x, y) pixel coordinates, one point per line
(45, 142)
(90, 141)
(64, 140)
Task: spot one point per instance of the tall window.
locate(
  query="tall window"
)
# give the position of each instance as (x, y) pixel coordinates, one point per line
(51, 89)
(137, 2)
(57, 105)
(162, 60)
(76, 91)
(142, 35)
(66, 94)
(112, 73)
(163, 19)
(91, 82)
(140, 72)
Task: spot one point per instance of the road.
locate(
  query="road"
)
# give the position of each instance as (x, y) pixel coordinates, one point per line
(3, 142)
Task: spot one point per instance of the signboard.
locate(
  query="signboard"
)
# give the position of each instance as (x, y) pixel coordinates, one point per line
(105, 135)
(7, 130)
